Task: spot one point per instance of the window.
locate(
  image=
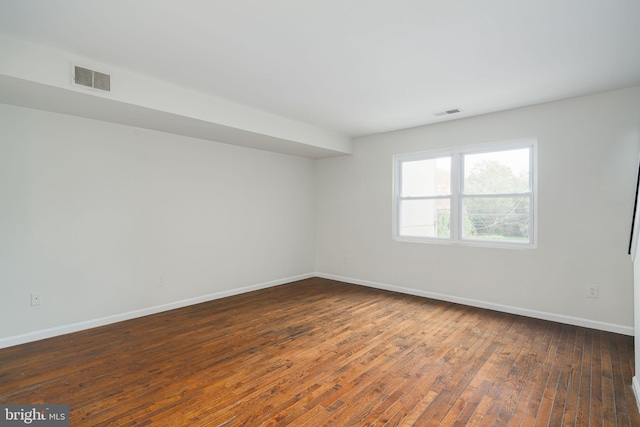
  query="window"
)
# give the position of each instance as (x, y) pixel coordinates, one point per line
(482, 195)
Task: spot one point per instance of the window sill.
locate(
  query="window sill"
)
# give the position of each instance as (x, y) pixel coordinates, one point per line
(467, 242)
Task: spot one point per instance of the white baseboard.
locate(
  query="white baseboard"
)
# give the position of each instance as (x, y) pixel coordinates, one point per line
(560, 318)
(635, 385)
(93, 323)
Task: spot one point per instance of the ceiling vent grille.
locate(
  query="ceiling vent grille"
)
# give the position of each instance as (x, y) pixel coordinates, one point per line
(93, 79)
(447, 112)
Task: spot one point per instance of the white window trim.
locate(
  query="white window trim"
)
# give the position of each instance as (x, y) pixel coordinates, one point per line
(457, 196)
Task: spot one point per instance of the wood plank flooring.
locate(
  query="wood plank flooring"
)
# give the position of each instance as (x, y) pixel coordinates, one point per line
(318, 352)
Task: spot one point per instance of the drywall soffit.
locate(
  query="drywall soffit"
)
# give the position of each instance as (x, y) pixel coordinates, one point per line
(30, 94)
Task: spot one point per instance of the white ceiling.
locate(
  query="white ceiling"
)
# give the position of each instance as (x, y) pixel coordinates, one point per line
(353, 66)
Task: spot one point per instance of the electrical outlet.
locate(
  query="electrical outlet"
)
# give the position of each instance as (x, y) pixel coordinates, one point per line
(593, 291)
(161, 282)
(36, 298)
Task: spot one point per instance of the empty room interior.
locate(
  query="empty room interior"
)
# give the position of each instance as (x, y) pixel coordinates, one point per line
(320, 213)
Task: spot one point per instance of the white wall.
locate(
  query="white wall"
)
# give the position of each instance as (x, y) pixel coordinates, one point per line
(636, 294)
(587, 155)
(636, 297)
(92, 214)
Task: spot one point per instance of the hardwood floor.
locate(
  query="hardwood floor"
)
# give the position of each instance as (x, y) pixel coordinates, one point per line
(319, 352)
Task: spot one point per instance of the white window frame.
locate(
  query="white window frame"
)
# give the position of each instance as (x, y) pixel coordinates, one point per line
(457, 196)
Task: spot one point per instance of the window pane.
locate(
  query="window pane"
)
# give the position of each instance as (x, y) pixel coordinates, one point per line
(497, 218)
(497, 172)
(425, 218)
(431, 177)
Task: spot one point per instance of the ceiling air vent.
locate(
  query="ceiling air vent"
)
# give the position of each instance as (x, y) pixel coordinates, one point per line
(91, 78)
(447, 112)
